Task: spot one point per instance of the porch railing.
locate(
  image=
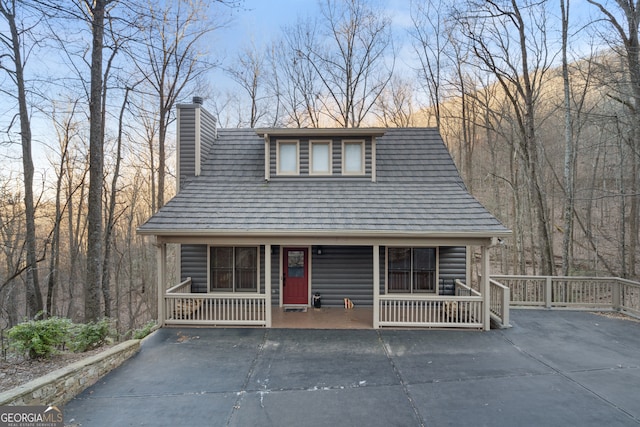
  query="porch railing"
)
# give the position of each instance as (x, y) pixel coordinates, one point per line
(431, 311)
(578, 293)
(181, 307)
(499, 303)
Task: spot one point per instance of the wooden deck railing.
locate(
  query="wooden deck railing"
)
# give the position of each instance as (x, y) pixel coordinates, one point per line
(579, 293)
(181, 307)
(437, 311)
(499, 303)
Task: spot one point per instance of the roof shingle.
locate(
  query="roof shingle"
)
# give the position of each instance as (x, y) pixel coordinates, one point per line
(418, 190)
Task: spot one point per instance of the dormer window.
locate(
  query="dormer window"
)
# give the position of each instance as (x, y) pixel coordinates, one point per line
(353, 157)
(320, 158)
(330, 153)
(288, 155)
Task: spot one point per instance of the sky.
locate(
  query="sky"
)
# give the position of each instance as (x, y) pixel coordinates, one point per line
(261, 21)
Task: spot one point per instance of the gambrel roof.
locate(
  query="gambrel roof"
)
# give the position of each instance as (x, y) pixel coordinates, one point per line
(417, 191)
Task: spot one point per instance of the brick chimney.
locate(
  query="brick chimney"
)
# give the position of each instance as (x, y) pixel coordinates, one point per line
(196, 132)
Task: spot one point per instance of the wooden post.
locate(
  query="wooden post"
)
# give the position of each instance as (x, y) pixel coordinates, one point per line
(506, 300)
(616, 290)
(161, 256)
(267, 284)
(484, 288)
(547, 292)
(376, 286)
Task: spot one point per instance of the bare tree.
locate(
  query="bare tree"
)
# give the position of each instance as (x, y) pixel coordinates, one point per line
(12, 251)
(509, 39)
(95, 11)
(624, 20)
(66, 130)
(351, 60)
(173, 57)
(13, 43)
(111, 212)
(249, 72)
(301, 90)
(395, 106)
(430, 42)
(569, 155)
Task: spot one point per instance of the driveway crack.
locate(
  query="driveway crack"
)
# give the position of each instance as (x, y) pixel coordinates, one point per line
(245, 384)
(403, 383)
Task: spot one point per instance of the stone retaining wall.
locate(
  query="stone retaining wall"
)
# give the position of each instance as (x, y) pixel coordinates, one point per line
(62, 385)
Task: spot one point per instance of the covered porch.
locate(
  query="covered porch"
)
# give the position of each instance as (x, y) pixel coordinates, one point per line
(451, 304)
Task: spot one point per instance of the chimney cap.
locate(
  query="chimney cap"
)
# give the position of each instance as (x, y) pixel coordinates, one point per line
(197, 100)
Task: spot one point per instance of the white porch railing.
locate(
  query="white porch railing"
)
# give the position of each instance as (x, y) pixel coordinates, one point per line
(433, 311)
(181, 307)
(579, 293)
(499, 297)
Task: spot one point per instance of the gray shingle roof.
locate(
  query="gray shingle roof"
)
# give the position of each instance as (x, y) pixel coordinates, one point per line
(418, 190)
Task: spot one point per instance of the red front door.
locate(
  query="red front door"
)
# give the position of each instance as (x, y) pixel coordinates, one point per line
(295, 276)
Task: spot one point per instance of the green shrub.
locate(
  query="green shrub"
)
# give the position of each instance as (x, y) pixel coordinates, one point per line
(88, 336)
(39, 338)
(138, 334)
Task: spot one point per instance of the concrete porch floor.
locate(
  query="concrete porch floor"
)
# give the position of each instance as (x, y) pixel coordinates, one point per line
(323, 318)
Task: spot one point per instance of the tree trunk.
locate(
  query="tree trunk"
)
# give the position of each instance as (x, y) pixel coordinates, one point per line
(111, 217)
(567, 235)
(33, 293)
(162, 135)
(92, 284)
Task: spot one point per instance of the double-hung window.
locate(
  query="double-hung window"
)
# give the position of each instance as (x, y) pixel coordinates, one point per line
(353, 157)
(233, 269)
(411, 270)
(320, 158)
(288, 156)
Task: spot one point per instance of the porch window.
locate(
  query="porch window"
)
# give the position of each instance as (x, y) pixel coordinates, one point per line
(233, 269)
(320, 158)
(353, 157)
(288, 154)
(411, 270)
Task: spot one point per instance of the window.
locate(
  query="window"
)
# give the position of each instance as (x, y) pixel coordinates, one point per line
(233, 269)
(353, 158)
(411, 270)
(320, 160)
(287, 158)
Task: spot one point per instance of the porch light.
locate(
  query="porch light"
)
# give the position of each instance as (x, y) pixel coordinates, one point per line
(319, 250)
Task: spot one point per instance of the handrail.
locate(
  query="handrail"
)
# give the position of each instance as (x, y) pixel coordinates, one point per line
(499, 303)
(431, 298)
(461, 284)
(184, 283)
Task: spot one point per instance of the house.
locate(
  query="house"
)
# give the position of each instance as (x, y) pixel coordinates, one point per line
(269, 218)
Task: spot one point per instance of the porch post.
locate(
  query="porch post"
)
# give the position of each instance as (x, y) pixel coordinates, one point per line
(376, 286)
(485, 288)
(267, 284)
(161, 259)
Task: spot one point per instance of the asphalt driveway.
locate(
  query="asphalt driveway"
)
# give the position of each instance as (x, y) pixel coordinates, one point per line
(551, 368)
